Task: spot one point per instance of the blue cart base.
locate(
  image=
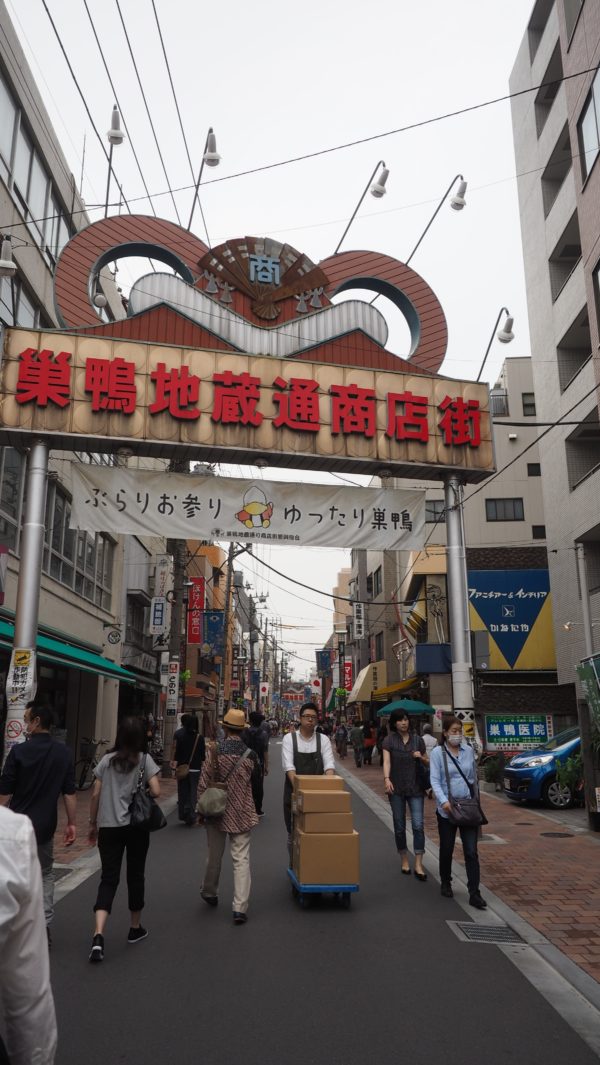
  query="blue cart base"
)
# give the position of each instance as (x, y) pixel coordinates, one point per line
(302, 892)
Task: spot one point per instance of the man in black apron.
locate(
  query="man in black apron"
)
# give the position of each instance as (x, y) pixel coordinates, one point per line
(306, 753)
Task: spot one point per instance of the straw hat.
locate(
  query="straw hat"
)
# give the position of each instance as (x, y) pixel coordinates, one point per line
(235, 719)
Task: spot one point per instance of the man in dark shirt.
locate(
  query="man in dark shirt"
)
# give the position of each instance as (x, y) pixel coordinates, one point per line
(35, 774)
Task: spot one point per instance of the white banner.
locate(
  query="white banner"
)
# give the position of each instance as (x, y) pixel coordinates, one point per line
(186, 506)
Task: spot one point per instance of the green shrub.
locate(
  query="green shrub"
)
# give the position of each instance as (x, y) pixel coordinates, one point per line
(569, 774)
(493, 770)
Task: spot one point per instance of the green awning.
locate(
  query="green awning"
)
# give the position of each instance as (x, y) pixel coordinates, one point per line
(65, 654)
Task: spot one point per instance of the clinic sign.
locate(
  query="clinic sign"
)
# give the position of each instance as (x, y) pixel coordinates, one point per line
(520, 732)
(230, 407)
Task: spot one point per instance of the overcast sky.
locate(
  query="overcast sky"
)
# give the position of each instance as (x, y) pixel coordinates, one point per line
(281, 80)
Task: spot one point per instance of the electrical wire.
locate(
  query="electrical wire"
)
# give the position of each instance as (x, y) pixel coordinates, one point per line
(139, 81)
(88, 112)
(176, 102)
(116, 99)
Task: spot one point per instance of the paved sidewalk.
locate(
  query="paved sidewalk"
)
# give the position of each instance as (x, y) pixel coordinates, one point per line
(539, 866)
(80, 848)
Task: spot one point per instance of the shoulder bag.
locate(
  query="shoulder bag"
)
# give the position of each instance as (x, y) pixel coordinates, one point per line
(465, 812)
(182, 770)
(144, 811)
(212, 803)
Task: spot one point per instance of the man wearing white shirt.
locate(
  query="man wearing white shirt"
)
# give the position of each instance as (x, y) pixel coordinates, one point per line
(27, 1017)
(306, 753)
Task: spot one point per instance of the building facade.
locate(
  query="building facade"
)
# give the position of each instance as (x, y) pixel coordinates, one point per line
(556, 133)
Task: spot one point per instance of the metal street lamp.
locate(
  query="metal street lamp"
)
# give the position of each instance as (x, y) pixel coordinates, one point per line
(376, 188)
(115, 137)
(210, 157)
(505, 335)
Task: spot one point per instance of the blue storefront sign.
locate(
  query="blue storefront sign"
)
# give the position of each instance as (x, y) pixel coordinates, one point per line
(213, 632)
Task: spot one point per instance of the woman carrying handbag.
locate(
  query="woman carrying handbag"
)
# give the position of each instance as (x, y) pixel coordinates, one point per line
(117, 780)
(454, 778)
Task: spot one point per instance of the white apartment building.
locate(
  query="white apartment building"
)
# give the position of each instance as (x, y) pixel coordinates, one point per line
(556, 132)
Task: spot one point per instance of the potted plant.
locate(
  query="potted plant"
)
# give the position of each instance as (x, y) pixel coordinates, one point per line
(493, 772)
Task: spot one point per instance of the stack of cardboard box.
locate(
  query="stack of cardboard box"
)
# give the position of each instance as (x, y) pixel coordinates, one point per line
(325, 846)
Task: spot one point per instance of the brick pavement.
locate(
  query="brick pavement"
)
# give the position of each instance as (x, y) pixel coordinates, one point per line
(65, 855)
(552, 882)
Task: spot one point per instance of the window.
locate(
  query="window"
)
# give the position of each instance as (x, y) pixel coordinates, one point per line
(379, 647)
(504, 510)
(537, 24)
(8, 114)
(528, 399)
(538, 532)
(17, 307)
(582, 448)
(12, 470)
(435, 510)
(557, 168)
(499, 403)
(534, 469)
(377, 585)
(572, 9)
(370, 585)
(550, 85)
(78, 560)
(588, 129)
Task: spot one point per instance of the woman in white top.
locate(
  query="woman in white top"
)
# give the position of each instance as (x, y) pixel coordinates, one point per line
(116, 781)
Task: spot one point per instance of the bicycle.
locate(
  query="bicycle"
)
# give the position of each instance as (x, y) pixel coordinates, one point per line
(84, 767)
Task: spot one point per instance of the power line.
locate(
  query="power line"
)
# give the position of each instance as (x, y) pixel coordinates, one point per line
(139, 80)
(88, 112)
(116, 98)
(176, 102)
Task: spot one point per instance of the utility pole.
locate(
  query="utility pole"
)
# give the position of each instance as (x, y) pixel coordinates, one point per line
(225, 658)
(177, 549)
(462, 688)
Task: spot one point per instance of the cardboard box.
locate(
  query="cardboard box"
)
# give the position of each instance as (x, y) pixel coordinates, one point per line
(319, 783)
(339, 823)
(323, 802)
(326, 858)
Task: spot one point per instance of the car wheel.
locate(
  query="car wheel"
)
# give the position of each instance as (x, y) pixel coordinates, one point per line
(557, 795)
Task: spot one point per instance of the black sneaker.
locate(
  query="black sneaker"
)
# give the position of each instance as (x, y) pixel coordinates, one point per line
(477, 901)
(135, 934)
(97, 951)
(446, 891)
(210, 900)
(239, 918)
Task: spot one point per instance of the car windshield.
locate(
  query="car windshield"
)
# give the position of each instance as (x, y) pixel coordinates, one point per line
(560, 738)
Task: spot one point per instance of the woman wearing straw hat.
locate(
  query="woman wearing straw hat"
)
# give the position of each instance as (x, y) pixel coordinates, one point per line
(230, 761)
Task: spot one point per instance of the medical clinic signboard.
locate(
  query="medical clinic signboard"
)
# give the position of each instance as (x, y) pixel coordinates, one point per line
(231, 407)
(511, 732)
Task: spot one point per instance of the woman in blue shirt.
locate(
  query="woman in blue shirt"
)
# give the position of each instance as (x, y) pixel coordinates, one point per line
(458, 754)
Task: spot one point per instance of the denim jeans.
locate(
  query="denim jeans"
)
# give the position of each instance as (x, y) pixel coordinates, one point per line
(46, 859)
(468, 835)
(415, 803)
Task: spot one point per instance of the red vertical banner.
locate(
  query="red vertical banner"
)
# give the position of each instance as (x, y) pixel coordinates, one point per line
(195, 610)
(348, 674)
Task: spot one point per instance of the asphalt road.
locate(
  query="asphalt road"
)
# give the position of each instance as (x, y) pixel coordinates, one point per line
(385, 981)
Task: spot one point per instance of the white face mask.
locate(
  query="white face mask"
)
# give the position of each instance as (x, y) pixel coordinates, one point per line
(454, 738)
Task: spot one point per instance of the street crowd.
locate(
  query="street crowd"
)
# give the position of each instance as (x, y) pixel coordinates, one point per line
(220, 785)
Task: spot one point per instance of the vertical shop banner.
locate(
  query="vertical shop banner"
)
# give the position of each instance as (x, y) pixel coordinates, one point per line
(212, 622)
(172, 688)
(348, 674)
(195, 610)
(324, 660)
(358, 617)
(160, 610)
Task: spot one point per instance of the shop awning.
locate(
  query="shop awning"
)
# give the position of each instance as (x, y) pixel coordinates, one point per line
(402, 685)
(367, 681)
(65, 654)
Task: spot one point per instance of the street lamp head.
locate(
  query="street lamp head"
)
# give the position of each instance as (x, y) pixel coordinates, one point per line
(211, 156)
(378, 189)
(458, 201)
(115, 134)
(7, 264)
(506, 334)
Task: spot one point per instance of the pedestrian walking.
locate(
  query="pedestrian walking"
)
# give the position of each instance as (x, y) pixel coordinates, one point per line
(28, 1025)
(356, 739)
(382, 732)
(35, 775)
(404, 758)
(117, 775)
(462, 774)
(230, 761)
(368, 742)
(257, 740)
(307, 753)
(341, 740)
(188, 754)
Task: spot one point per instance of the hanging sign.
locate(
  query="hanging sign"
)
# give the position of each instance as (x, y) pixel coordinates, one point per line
(21, 686)
(195, 610)
(158, 615)
(172, 688)
(358, 617)
(121, 501)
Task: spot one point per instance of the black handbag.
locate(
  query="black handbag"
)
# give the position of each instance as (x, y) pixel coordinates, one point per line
(144, 811)
(465, 812)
